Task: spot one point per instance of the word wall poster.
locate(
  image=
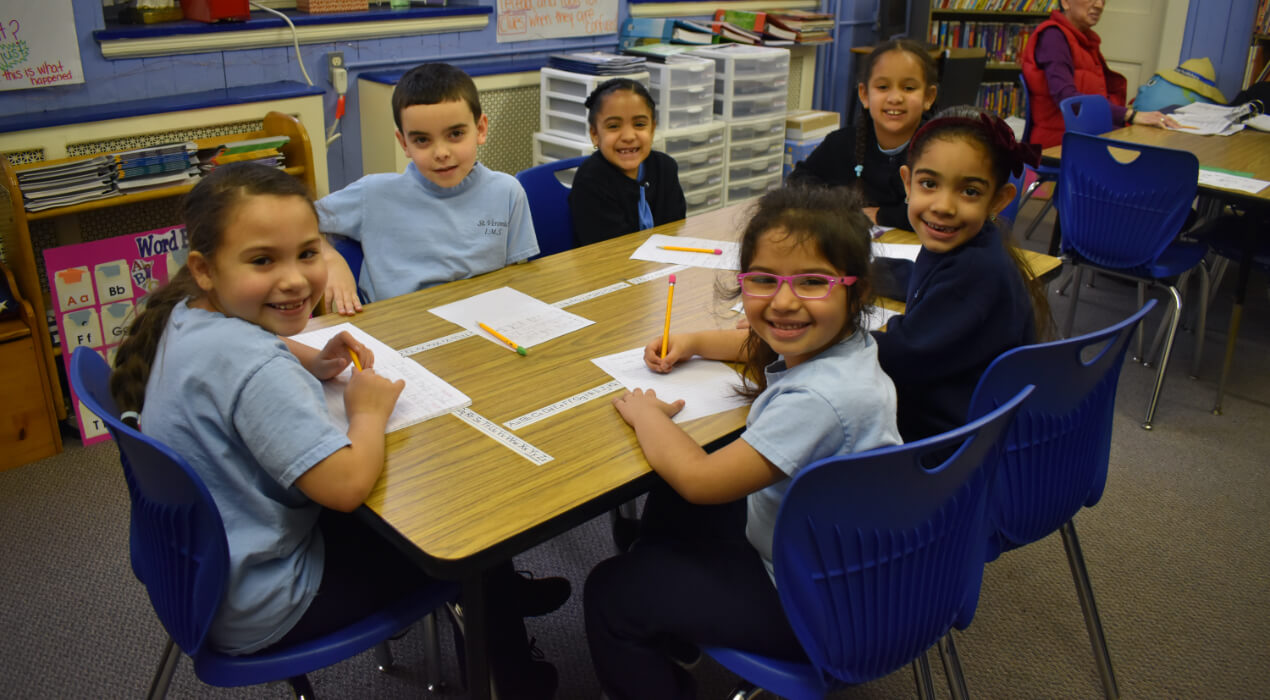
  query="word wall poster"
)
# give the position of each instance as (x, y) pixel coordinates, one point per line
(97, 289)
(38, 44)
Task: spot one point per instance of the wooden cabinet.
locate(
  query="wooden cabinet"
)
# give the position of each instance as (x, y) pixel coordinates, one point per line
(1002, 33)
(22, 252)
(28, 416)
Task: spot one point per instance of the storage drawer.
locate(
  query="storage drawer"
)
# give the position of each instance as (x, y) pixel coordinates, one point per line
(742, 190)
(704, 179)
(693, 138)
(704, 200)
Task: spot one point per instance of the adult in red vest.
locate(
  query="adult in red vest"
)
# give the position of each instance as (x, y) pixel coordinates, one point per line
(1062, 60)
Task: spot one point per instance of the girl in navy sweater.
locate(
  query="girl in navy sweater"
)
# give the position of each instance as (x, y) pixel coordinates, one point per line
(625, 186)
(970, 296)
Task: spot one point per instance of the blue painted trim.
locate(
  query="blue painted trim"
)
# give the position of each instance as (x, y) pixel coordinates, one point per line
(266, 20)
(390, 77)
(158, 105)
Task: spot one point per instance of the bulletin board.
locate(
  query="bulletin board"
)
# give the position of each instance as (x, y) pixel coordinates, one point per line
(96, 288)
(38, 44)
(528, 20)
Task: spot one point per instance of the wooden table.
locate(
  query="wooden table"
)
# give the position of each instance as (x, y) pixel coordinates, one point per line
(1247, 151)
(459, 501)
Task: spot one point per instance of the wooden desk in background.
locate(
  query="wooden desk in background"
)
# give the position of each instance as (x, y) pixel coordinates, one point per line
(1246, 152)
(459, 501)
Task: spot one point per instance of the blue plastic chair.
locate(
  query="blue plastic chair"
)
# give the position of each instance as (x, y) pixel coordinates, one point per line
(1054, 457)
(351, 251)
(1083, 114)
(180, 553)
(549, 204)
(1123, 219)
(877, 556)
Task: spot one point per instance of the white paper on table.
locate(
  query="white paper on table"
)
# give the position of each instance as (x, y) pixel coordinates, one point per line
(1213, 178)
(706, 386)
(522, 318)
(729, 260)
(875, 317)
(876, 230)
(425, 395)
(905, 251)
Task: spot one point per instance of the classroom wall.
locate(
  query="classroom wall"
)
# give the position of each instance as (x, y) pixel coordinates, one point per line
(109, 81)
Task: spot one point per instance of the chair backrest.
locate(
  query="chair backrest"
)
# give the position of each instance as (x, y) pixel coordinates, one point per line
(1122, 215)
(549, 204)
(351, 250)
(1011, 210)
(1087, 114)
(178, 540)
(960, 76)
(1053, 460)
(877, 554)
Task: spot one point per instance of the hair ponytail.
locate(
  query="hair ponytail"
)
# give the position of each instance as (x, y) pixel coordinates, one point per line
(205, 209)
(136, 353)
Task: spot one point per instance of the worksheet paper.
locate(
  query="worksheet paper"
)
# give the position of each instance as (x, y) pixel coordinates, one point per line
(906, 251)
(1216, 178)
(729, 260)
(522, 318)
(425, 396)
(705, 386)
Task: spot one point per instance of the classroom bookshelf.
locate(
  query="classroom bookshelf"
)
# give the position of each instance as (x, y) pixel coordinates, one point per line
(1002, 28)
(24, 254)
(1259, 46)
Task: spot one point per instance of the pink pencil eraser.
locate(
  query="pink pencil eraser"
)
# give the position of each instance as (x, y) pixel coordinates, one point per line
(718, 251)
(672, 279)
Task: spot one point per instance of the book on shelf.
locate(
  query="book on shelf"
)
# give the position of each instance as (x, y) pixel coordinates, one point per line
(748, 20)
(596, 63)
(666, 30)
(740, 35)
(802, 20)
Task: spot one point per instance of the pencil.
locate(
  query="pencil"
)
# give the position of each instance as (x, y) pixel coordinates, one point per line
(665, 333)
(356, 361)
(711, 251)
(503, 338)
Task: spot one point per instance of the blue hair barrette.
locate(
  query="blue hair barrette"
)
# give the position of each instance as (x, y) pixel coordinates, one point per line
(859, 169)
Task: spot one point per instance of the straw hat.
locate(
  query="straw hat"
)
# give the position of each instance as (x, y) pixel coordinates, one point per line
(1196, 74)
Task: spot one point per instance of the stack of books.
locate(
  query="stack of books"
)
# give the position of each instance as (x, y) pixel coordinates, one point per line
(596, 63)
(67, 183)
(774, 28)
(638, 31)
(265, 150)
(167, 165)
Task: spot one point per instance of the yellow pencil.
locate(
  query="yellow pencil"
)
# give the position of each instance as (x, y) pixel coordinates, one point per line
(356, 361)
(712, 251)
(503, 338)
(665, 333)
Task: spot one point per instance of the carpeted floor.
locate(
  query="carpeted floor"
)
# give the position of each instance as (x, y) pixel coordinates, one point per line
(1175, 550)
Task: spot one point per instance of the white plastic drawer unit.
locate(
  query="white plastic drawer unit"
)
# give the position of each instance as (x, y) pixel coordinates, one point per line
(756, 167)
(692, 138)
(704, 179)
(757, 128)
(741, 190)
(549, 146)
(771, 82)
(741, 60)
(566, 125)
(703, 159)
(758, 148)
(681, 117)
(578, 85)
(562, 104)
(746, 106)
(705, 200)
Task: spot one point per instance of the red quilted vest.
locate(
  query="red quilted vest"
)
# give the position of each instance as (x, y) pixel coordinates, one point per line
(1091, 73)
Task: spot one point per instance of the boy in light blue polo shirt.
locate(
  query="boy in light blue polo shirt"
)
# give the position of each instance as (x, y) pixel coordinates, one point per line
(447, 217)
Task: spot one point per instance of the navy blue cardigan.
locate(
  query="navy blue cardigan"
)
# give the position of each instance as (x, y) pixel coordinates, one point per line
(964, 308)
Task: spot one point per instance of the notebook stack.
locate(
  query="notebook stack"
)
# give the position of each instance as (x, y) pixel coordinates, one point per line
(67, 183)
(596, 63)
(265, 151)
(168, 165)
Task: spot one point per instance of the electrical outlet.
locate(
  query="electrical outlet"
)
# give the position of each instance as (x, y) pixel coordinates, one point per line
(334, 62)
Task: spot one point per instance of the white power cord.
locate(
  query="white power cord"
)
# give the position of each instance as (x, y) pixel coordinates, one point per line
(295, 38)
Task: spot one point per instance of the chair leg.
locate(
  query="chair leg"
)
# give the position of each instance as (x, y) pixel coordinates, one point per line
(301, 689)
(432, 653)
(1027, 235)
(163, 674)
(952, 667)
(1142, 299)
(921, 676)
(1164, 359)
(1071, 310)
(745, 691)
(1093, 623)
(1202, 322)
(1232, 332)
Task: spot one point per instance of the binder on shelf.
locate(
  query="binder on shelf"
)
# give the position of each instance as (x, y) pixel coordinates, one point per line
(666, 30)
